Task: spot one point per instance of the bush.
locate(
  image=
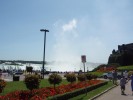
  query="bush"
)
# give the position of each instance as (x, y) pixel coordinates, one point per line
(88, 76)
(65, 75)
(114, 64)
(71, 77)
(32, 82)
(94, 76)
(55, 79)
(81, 77)
(98, 67)
(2, 85)
(130, 73)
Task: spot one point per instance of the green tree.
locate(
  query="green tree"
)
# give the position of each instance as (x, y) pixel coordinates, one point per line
(88, 76)
(32, 82)
(81, 77)
(2, 85)
(54, 79)
(71, 77)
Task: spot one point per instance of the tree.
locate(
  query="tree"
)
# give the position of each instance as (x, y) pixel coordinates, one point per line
(88, 76)
(54, 79)
(81, 77)
(71, 77)
(32, 82)
(2, 85)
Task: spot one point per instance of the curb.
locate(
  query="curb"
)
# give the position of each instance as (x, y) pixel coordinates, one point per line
(93, 98)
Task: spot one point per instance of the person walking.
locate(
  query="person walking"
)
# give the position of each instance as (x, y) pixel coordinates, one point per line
(114, 77)
(132, 83)
(126, 75)
(122, 85)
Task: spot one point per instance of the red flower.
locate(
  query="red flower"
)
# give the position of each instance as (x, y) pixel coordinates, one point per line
(43, 93)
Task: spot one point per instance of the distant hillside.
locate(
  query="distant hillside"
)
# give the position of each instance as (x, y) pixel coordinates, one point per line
(122, 56)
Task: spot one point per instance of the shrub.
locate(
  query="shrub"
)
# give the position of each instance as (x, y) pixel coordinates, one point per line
(81, 77)
(32, 82)
(88, 76)
(54, 79)
(94, 76)
(130, 73)
(71, 77)
(98, 67)
(2, 85)
(65, 75)
(114, 65)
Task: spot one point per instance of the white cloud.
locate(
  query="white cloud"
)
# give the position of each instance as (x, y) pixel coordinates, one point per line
(93, 35)
(72, 41)
(65, 36)
(70, 26)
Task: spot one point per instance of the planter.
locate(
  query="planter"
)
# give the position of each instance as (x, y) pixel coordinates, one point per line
(16, 78)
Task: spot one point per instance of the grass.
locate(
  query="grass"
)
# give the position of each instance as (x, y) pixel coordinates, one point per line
(99, 74)
(19, 85)
(128, 68)
(93, 92)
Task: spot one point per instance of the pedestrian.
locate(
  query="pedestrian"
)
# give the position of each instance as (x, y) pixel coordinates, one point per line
(114, 73)
(122, 85)
(132, 83)
(122, 74)
(126, 75)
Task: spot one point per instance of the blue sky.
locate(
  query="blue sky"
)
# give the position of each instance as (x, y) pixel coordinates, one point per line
(90, 27)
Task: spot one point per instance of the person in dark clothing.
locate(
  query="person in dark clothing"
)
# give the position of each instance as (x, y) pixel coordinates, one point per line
(122, 85)
(132, 83)
(114, 77)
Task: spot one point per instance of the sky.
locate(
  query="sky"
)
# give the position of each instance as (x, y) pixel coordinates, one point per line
(76, 27)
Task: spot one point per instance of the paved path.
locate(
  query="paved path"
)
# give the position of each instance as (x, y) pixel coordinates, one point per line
(115, 94)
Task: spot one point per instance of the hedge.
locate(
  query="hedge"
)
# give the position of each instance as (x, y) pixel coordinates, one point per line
(77, 92)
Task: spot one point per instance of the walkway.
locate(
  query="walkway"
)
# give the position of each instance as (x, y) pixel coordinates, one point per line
(115, 94)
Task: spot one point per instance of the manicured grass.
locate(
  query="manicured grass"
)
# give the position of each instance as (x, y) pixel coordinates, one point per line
(99, 74)
(123, 68)
(92, 93)
(13, 86)
(19, 85)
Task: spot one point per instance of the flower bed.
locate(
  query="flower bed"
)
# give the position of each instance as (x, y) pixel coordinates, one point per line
(43, 93)
(77, 92)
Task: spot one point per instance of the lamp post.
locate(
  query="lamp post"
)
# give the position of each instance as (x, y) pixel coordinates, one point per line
(44, 30)
(83, 59)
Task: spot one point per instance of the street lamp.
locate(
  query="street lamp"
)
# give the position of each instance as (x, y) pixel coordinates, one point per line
(44, 30)
(83, 59)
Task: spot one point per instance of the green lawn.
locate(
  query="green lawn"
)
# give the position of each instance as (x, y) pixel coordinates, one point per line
(92, 93)
(19, 85)
(97, 73)
(123, 68)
